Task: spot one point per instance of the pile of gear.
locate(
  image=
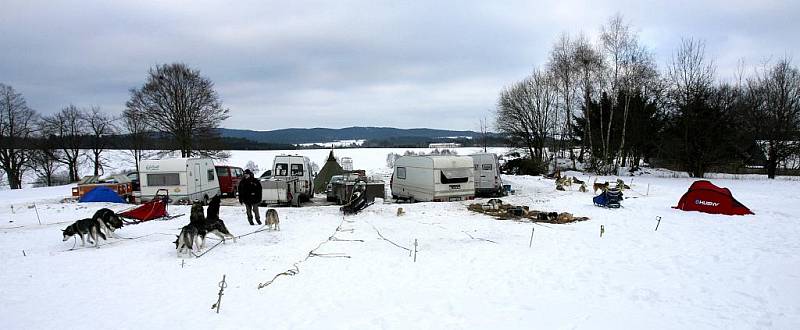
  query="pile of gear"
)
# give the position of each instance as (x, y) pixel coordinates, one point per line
(502, 211)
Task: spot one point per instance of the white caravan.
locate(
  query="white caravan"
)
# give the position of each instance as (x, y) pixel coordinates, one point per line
(185, 179)
(433, 178)
(290, 168)
(487, 175)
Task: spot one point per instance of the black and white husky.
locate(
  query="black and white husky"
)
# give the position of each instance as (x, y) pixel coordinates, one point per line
(88, 227)
(215, 225)
(187, 239)
(107, 221)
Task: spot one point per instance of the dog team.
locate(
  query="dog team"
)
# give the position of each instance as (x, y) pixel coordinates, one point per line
(192, 236)
(565, 181)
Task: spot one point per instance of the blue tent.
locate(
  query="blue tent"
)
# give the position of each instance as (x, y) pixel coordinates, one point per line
(101, 194)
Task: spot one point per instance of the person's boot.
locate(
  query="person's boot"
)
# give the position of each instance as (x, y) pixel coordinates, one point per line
(258, 221)
(251, 222)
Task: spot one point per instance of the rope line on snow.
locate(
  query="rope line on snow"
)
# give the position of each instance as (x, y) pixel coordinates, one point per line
(388, 240)
(478, 238)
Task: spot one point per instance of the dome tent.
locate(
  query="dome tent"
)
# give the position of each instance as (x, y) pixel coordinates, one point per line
(328, 170)
(101, 194)
(705, 197)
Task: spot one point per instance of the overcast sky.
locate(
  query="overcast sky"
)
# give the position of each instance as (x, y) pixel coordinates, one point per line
(279, 64)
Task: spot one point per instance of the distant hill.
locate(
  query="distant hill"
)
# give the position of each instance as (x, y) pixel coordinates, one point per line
(315, 135)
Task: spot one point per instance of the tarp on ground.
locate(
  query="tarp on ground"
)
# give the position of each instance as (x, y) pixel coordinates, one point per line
(704, 196)
(101, 194)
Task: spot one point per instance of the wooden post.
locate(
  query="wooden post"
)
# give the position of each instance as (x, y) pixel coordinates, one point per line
(183, 261)
(659, 222)
(531, 242)
(648, 190)
(23, 253)
(37, 213)
(602, 230)
(415, 250)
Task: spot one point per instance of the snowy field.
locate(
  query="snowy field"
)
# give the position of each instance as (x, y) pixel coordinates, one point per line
(698, 271)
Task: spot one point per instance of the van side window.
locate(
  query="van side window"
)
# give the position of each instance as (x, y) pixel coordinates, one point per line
(297, 169)
(165, 179)
(222, 172)
(210, 175)
(487, 166)
(401, 173)
(281, 169)
(238, 172)
(476, 167)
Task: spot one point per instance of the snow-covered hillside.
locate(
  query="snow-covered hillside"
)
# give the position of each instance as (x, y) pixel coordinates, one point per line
(698, 271)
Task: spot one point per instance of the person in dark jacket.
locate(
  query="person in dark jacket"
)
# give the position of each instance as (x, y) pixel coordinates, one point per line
(250, 195)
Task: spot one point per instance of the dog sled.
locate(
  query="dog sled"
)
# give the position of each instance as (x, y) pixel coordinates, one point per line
(155, 209)
(609, 198)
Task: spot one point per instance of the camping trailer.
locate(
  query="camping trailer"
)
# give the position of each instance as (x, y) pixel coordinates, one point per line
(186, 179)
(433, 178)
(487, 175)
(289, 168)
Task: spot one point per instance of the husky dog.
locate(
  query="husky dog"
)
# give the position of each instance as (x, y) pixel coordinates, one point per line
(187, 239)
(197, 217)
(582, 188)
(107, 221)
(621, 186)
(599, 186)
(83, 227)
(400, 211)
(575, 180)
(272, 220)
(214, 224)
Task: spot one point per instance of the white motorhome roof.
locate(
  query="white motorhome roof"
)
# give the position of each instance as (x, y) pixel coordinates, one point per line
(436, 161)
(166, 165)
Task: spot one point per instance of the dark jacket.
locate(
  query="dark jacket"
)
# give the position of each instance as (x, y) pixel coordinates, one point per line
(250, 191)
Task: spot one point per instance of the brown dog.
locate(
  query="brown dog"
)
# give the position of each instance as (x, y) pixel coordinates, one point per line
(400, 211)
(599, 186)
(272, 221)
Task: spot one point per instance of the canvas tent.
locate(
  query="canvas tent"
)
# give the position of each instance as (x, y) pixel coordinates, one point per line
(328, 170)
(704, 196)
(101, 194)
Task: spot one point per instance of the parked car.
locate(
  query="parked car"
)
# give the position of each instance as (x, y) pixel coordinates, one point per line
(487, 175)
(433, 178)
(229, 177)
(186, 179)
(134, 177)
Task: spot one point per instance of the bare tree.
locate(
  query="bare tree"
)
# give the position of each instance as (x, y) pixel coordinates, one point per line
(136, 130)
(16, 129)
(177, 101)
(589, 64)
(689, 72)
(565, 71)
(617, 42)
(527, 112)
(776, 94)
(68, 127)
(101, 127)
(484, 131)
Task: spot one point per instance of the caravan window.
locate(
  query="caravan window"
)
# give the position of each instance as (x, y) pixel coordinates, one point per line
(297, 169)
(210, 175)
(401, 173)
(487, 167)
(454, 175)
(166, 179)
(281, 169)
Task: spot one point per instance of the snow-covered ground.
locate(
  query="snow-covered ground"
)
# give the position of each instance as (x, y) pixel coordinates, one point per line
(698, 271)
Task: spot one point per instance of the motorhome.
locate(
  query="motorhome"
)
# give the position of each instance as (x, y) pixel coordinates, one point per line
(185, 179)
(487, 175)
(433, 178)
(289, 170)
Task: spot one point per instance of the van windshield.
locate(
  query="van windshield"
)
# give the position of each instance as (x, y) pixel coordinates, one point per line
(281, 169)
(459, 175)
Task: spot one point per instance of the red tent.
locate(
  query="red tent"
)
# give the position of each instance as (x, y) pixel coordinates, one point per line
(704, 196)
(154, 209)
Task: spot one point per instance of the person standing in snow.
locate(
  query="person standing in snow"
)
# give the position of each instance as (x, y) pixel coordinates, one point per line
(250, 195)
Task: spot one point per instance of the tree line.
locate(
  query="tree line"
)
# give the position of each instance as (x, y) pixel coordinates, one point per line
(606, 104)
(176, 109)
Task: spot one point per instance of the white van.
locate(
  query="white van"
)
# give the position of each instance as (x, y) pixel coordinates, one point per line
(186, 179)
(487, 175)
(288, 168)
(433, 178)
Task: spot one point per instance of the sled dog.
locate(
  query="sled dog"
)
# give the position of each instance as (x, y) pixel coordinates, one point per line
(107, 221)
(88, 227)
(599, 186)
(272, 220)
(187, 239)
(215, 225)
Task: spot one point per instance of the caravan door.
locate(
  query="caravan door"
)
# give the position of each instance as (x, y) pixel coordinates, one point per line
(197, 176)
